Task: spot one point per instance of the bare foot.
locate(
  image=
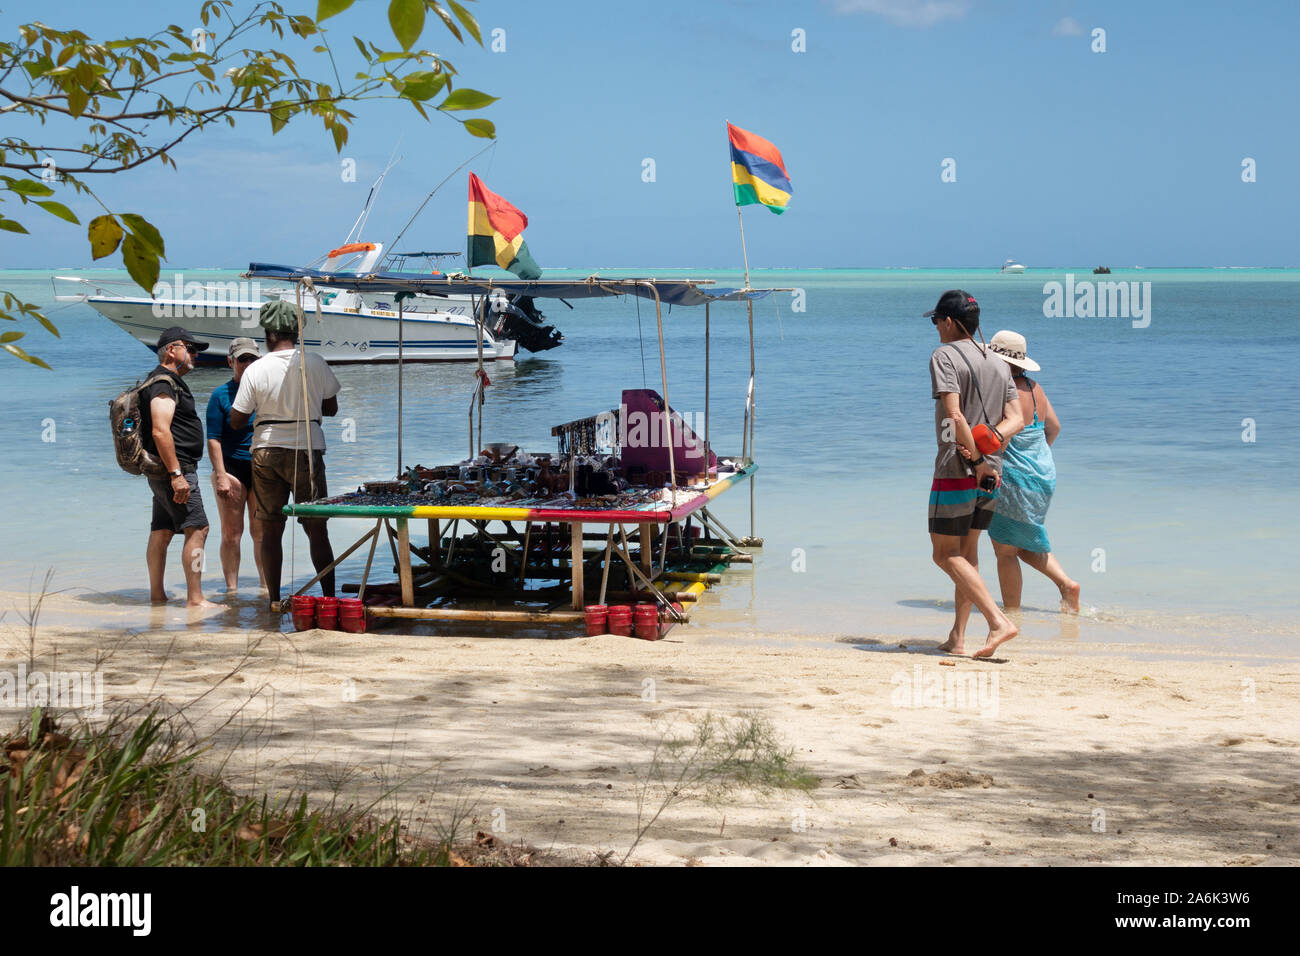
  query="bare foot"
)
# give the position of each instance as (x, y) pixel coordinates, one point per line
(201, 604)
(156, 599)
(955, 643)
(997, 637)
(1070, 598)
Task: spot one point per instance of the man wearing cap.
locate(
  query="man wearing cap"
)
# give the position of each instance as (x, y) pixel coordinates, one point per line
(284, 388)
(232, 467)
(171, 430)
(972, 390)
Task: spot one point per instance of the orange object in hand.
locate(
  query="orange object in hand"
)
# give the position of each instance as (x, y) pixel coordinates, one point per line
(986, 440)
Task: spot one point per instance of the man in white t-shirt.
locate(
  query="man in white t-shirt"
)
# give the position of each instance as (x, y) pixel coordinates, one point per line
(272, 389)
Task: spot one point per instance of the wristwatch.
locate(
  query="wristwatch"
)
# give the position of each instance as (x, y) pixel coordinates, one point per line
(176, 473)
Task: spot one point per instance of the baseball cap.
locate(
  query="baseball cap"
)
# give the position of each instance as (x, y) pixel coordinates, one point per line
(960, 305)
(177, 334)
(243, 346)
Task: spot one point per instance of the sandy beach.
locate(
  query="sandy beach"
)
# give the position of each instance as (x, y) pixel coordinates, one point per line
(1056, 753)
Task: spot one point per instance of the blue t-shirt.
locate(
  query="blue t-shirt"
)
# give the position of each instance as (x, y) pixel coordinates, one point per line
(234, 444)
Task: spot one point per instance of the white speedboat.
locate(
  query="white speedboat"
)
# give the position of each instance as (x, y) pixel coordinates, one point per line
(340, 324)
(1011, 267)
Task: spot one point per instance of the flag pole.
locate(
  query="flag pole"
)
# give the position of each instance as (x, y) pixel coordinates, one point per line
(743, 250)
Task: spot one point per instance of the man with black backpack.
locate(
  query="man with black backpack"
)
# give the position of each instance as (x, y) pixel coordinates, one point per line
(972, 390)
(171, 430)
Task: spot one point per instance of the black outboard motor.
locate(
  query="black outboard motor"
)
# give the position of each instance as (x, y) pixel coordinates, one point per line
(517, 317)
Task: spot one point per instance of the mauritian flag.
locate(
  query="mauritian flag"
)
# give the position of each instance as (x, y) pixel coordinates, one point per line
(496, 233)
(757, 171)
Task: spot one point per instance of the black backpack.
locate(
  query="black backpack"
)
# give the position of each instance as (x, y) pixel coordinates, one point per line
(126, 420)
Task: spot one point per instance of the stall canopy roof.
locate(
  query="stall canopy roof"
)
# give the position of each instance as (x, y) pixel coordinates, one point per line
(671, 291)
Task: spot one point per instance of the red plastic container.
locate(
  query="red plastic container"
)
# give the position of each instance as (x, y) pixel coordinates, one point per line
(620, 620)
(597, 616)
(327, 613)
(303, 607)
(352, 615)
(647, 622)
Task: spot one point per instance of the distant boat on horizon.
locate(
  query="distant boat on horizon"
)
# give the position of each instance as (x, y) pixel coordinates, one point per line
(1011, 267)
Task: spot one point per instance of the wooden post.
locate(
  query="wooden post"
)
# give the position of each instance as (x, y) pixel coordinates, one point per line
(575, 560)
(404, 562)
(647, 549)
(435, 541)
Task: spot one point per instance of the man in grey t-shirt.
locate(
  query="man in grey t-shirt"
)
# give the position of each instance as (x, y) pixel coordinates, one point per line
(971, 389)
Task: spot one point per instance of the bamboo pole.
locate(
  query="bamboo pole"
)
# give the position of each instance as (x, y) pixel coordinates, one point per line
(753, 412)
(706, 389)
(401, 354)
(575, 560)
(454, 614)
(370, 558)
(404, 562)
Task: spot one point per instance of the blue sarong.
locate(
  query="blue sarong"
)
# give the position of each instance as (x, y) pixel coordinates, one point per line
(1028, 482)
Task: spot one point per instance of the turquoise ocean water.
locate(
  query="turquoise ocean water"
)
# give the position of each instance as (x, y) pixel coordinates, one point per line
(1176, 526)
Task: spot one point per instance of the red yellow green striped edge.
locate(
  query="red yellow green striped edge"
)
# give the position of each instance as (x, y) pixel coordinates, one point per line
(496, 513)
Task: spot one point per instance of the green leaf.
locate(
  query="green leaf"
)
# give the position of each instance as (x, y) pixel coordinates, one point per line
(58, 209)
(423, 84)
(78, 98)
(406, 17)
(49, 326)
(466, 99)
(340, 133)
(141, 262)
(105, 234)
(466, 20)
(10, 337)
(145, 232)
(328, 8)
(8, 225)
(481, 127)
(19, 353)
(362, 47)
(28, 187)
(279, 114)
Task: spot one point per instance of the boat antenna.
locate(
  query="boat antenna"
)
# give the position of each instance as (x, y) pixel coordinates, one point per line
(393, 245)
(360, 224)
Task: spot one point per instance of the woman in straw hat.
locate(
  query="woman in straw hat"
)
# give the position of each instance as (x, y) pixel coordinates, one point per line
(1028, 482)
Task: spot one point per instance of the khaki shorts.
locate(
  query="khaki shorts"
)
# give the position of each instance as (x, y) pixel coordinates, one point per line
(274, 479)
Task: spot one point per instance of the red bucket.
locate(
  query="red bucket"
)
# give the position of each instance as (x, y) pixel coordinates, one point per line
(597, 616)
(620, 620)
(303, 607)
(327, 613)
(352, 615)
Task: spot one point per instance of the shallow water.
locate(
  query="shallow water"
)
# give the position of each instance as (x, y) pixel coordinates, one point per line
(1172, 522)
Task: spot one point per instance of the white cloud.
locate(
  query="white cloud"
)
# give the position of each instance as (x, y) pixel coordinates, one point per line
(907, 13)
(1067, 27)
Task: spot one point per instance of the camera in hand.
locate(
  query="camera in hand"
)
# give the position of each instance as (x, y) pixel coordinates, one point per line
(989, 483)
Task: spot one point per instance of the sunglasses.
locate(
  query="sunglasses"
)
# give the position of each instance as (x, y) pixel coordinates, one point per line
(192, 349)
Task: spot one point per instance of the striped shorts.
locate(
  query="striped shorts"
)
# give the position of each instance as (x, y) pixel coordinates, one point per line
(959, 506)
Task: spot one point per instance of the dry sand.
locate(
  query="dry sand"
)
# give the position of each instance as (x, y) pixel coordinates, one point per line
(1064, 753)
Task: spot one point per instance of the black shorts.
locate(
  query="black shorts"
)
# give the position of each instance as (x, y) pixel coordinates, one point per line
(242, 470)
(168, 515)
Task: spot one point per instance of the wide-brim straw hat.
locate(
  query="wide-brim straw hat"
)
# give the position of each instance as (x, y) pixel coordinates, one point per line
(1011, 347)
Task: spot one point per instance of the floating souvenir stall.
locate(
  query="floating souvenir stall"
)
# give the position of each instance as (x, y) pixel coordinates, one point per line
(605, 516)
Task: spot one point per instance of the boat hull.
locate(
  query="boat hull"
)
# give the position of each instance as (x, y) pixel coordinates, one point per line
(338, 336)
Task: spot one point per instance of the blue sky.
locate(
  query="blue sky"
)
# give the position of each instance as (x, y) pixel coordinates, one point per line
(1063, 156)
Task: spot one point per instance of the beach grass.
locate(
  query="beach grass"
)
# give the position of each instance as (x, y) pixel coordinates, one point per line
(131, 793)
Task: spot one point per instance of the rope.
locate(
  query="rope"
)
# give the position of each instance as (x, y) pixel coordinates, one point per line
(303, 284)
